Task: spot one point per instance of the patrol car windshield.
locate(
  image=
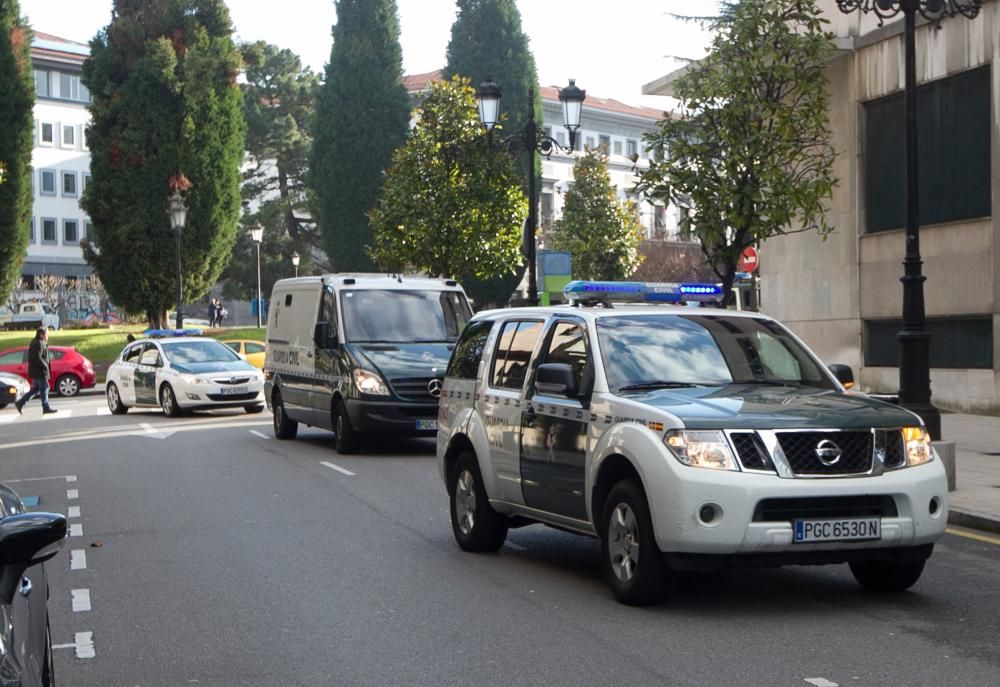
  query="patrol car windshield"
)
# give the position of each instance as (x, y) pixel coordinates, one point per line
(390, 316)
(644, 352)
(186, 352)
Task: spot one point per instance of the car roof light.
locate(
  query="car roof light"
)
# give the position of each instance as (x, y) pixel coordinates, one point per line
(163, 333)
(583, 292)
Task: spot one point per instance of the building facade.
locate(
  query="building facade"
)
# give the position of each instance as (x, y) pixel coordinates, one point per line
(843, 294)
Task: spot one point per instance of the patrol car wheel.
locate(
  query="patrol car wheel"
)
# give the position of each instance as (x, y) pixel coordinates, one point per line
(284, 426)
(631, 559)
(345, 439)
(115, 404)
(169, 402)
(477, 527)
(883, 576)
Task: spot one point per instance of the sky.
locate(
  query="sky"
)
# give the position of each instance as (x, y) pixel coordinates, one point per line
(611, 47)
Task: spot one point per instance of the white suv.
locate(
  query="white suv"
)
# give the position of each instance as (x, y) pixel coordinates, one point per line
(682, 438)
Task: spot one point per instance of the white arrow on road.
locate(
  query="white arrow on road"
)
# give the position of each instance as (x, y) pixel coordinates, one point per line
(151, 432)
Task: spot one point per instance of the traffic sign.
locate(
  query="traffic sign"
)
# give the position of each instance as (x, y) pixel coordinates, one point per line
(748, 260)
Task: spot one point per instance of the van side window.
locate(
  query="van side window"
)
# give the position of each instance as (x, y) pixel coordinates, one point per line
(510, 364)
(288, 299)
(469, 350)
(329, 314)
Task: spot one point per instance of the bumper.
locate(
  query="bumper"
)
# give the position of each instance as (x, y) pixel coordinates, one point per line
(395, 417)
(915, 516)
(200, 398)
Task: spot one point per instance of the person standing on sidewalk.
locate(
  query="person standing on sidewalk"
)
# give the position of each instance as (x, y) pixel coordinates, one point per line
(38, 371)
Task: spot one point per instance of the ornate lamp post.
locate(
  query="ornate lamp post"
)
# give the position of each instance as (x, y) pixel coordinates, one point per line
(178, 216)
(295, 262)
(257, 234)
(914, 340)
(532, 139)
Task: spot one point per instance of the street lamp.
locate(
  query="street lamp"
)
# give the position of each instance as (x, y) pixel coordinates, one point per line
(295, 262)
(532, 139)
(257, 234)
(914, 340)
(178, 216)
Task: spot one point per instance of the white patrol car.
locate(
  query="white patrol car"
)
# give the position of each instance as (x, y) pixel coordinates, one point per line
(682, 438)
(182, 373)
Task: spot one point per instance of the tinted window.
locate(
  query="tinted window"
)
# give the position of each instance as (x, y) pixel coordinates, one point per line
(469, 351)
(235, 345)
(183, 352)
(253, 348)
(568, 346)
(956, 343)
(403, 316)
(131, 355)
(511, 364)
(12, 358)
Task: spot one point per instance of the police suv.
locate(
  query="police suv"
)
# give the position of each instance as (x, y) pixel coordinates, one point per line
(684, 439)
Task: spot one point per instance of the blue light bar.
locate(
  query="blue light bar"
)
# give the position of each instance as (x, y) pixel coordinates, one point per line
(636, 292)
(161, 333)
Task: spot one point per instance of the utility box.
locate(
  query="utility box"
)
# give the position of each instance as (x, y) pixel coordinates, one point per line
(554, 272)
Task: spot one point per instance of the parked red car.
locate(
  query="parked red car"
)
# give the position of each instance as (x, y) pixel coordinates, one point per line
(71, 371)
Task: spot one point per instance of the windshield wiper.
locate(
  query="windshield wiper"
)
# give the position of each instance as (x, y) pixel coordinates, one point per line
(659, 384)
(767, 382)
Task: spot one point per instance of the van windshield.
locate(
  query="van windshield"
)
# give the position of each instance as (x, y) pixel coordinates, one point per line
(390, 316)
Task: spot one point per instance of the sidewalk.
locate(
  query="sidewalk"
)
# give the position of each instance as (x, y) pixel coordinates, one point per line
(976, 499)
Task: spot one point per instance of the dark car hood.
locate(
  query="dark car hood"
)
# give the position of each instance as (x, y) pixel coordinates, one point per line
(772, 407)
(208, 368)
(395, 361)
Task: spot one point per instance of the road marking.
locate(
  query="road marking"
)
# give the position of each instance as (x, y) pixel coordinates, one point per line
(34, 479)
(514, 547)
(63, 412)
(78, 559)
(72, 494)
(132, 431)
(5, 419)
(70, 478)
(84, 645)
(148, 427)
(821, 682)
(973, 535)
(76, 530)
(103, 411)
(259, 434)
(73, 512)
(337, 468)
(81, 600)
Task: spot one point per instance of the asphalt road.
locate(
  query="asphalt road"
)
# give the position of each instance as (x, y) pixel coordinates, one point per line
(209, 553)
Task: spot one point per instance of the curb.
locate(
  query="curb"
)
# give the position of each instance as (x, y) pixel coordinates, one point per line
(975, 521)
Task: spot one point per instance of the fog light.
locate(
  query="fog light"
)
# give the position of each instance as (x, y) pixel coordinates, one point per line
(934, 508)
(192, 397)
(710, 514)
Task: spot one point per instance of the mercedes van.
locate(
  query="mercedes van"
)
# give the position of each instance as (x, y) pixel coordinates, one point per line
(360, 355)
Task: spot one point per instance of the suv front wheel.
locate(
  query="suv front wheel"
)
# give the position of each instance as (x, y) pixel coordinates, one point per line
(630, 557)
(476, 525)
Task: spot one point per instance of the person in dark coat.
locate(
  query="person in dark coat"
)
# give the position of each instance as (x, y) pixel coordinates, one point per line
(213, 313)
(39, 372)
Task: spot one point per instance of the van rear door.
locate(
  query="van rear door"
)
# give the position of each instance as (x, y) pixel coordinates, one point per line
(289, 356)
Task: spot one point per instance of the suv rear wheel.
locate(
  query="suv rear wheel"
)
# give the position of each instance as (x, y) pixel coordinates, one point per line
(476, 525)
(631, 559)
(884, 576)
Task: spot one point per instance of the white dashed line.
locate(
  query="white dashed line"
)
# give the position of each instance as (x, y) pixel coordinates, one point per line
(103, 411)
(148, 427)
(84, 645)
(81, 600)
(259, 434)
(72, 494)
(78, 559)
(73, 512)
(36, 479)
(5, 419)
(70, 478)
(76, 530)
(821, 682)
(337, 468)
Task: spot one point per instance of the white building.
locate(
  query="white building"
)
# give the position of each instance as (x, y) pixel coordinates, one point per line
(60, 160)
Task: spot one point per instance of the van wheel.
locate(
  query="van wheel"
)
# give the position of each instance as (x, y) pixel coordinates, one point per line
(477, 527)
(631, 559)
(284, 426)
(882, 576)
(345, 439)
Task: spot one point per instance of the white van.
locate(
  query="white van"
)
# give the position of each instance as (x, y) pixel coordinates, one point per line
(360, 355)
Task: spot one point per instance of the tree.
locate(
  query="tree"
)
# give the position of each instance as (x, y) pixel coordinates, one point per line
(450, 205)
(487, 41)
(750, 152)
(278, 99)
(602, 235)
(362, 116)
(165, 106)
(672, 261)
(16, 140)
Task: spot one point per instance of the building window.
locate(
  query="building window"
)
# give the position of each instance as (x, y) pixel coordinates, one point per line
(49, 230)
(547, 131)
(953, 122)
(48, 135)
(69, 184)
(31, 231)
(68, 136)
(590, 142)
(604, 143)
(618, 148)
(47, 187)
(631, 148)
(42, 83)
(561, 137)
(956, 343)
(88, 232)
(71, 233)
(578, 143)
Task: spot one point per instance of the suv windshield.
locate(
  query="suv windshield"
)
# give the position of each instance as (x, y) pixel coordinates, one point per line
(373, 316)
(183, 352)
(643, 352)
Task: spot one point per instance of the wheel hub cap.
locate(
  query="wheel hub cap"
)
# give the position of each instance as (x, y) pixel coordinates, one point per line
(465, 502)
(623, 542)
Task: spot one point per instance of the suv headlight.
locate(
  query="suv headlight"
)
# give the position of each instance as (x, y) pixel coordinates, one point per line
(370, 383)
(918, 446)
(701, 449)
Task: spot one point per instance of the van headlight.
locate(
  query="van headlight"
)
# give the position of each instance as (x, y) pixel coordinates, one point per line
(701, 449)
(370, 383)
(917, 442)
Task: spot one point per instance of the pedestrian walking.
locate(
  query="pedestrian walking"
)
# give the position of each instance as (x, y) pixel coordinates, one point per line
(213, 313)
(39, 372)
(222, 314)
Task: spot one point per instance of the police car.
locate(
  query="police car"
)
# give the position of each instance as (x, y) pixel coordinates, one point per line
(683, 439)
(179, 371)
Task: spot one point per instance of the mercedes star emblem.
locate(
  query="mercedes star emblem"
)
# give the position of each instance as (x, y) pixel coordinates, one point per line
(434, 388)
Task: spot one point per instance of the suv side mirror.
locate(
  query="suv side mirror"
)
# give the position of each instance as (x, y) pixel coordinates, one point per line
(27, 539)
(556, 379)
(843, 373)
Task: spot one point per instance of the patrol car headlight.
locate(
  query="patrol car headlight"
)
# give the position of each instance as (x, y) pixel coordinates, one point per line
(701, 449)
(191, 379)
(370, 383)
(918, 446)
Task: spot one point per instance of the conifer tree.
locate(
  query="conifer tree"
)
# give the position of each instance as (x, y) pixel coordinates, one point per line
(362, 115)
(16, 122)
(162, 76)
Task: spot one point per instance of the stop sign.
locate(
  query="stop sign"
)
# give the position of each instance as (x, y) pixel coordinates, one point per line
(748, 260)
